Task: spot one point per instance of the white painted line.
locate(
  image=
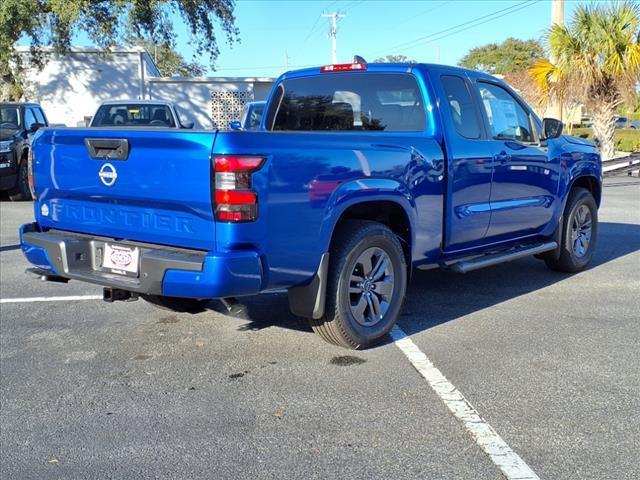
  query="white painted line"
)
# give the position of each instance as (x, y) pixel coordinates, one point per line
(71, 298)
(512, 466)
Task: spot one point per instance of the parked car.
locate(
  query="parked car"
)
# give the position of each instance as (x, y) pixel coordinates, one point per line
(139, 113)
(624, 122)
(18, 123)
(586, 121)
(251, 117)
(454, 171)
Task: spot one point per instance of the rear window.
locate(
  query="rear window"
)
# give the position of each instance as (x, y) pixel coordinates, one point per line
(351, 101)
(133, 115)
(461, 106)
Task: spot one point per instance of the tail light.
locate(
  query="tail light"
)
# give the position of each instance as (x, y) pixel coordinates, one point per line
(30, 179)
(235, 200)
(343, 67)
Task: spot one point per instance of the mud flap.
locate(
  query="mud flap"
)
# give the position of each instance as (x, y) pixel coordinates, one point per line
(308, 300)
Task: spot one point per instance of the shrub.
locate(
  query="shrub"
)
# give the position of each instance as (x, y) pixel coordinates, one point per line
(626, 140)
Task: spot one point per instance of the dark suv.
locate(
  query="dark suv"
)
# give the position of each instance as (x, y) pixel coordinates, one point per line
(18, 123)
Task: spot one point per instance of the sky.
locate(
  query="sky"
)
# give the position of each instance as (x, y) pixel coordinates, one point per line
(276, 34)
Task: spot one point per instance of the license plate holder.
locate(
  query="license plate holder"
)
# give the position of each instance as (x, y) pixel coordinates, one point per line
(121, 259)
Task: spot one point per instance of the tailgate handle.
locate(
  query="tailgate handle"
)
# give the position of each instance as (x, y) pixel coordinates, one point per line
(108, 148)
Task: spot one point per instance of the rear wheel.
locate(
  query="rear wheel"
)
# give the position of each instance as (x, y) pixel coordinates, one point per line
(177, 304)
(21, 189)
(579, 233)
(366, 285)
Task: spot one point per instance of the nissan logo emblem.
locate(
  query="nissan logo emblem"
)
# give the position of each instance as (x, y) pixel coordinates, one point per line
(108, 174)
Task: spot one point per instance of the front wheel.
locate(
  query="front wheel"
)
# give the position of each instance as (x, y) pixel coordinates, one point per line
(579, 233)
(366, 285)
(177, 304)
(21, 189)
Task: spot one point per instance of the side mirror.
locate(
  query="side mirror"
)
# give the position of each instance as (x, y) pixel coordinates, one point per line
(188, 125)
(551, 128)
(35, 126)
(235, 125)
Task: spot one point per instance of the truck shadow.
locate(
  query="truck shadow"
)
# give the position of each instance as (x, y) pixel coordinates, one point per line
(436, 297)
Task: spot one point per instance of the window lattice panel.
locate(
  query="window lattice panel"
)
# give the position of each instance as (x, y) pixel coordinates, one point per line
(227, 107)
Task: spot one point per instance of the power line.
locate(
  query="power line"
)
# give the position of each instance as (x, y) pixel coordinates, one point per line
(419, 40)
(472, 26)
(315, 24)
(426, 37)
(313, 27)
(353, 5)
(424, 12)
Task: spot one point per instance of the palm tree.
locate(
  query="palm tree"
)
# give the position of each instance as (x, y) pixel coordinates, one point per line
(597, 62)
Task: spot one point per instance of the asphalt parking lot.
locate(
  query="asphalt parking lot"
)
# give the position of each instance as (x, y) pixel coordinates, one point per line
(551, 361)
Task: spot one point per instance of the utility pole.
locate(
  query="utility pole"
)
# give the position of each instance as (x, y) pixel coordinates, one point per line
(333, 32)
(557, 18)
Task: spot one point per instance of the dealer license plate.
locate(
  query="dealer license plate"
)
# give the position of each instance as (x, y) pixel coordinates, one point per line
(121, 259)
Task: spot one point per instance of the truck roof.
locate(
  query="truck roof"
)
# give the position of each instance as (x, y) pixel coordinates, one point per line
(20, 104)
(139, 102)
(392, 67)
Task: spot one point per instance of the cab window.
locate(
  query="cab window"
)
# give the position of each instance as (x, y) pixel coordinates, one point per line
(133, 115)
(351, 102)
(39, 116)
(508, 120)
(463, 111)
(29, 119)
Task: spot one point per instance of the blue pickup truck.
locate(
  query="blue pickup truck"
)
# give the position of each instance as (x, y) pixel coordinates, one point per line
(359, 173)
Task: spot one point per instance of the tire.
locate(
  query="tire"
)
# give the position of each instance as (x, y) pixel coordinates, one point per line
(348, 322)
(177, 304)
(21, 189)
(579, 233)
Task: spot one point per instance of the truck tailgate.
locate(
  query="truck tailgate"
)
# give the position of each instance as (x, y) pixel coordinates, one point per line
(158, 191)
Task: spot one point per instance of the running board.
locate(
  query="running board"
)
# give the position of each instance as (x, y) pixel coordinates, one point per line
(501, 257)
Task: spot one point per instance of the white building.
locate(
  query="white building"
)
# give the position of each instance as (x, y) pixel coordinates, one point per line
(210, 101)
(71, 86)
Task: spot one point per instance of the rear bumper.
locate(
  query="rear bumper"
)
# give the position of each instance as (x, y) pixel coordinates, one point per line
(163, 270)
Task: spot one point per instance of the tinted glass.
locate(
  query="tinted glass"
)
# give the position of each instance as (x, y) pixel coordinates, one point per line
(461, 106)
(39, 116)
(133, 115)
(29, 118)
(9, 118)
(507, 119)
(255, 117)
(351, 101)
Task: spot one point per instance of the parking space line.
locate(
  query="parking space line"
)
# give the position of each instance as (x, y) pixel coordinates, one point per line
(509, 462)
(51, 299)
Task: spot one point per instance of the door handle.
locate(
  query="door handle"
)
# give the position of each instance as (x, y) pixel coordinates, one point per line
(502, 157)
(107, 148)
